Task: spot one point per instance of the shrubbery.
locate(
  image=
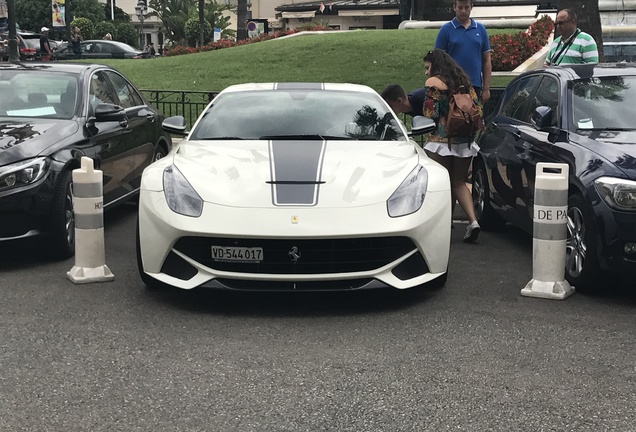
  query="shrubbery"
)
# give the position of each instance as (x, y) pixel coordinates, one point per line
(227, 43)
(510, 50)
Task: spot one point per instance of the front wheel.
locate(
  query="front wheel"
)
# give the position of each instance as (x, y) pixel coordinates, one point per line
(582, 269)
(487, 217)
(160, 153)
(62, 222)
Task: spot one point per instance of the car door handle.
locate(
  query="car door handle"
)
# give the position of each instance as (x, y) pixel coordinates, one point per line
(124, 123)
(151, 118)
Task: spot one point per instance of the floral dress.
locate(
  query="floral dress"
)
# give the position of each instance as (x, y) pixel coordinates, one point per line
(436, 107)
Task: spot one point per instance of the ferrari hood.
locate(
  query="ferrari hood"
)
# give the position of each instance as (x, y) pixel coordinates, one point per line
(20, 140)
(295, 172)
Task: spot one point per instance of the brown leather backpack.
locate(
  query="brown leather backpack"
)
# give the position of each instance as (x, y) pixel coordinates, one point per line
(464, 117)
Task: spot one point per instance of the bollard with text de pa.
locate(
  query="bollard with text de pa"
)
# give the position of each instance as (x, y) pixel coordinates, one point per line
(90, 251)
(550, 233)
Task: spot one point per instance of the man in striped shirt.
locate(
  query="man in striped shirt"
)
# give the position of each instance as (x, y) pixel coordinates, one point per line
(572, 46)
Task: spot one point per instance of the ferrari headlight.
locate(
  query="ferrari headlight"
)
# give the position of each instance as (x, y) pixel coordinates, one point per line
(408, 198)
(23, 173)
(180, 195)
(619, 194)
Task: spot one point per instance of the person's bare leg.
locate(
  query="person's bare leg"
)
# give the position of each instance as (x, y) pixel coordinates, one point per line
(459, 170)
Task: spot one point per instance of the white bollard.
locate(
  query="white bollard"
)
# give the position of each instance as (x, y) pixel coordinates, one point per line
(550, 233)
(90, 251)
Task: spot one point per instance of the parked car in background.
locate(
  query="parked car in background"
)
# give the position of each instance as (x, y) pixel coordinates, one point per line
(28, 45)
(295, 187)
(53, 114)
(582, 116)
(99, 49)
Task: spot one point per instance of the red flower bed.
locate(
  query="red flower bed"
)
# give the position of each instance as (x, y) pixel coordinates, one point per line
(509, 51)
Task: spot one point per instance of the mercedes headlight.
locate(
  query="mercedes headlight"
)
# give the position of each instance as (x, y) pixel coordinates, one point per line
(620, 194)
(409, 196)
(23, 173)
(180, 195)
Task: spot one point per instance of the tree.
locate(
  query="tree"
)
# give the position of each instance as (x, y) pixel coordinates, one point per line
(101, 28)
(241, 20)
(86, 27)
(127, 33)
(173, 15)
(193, 32)
(35, 14)
(588, 19)
(202, 22)
(215, 15)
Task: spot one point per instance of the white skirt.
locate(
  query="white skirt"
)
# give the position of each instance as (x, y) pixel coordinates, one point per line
(463, 150)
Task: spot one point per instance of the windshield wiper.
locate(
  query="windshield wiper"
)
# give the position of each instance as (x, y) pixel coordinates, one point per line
(304, 137)
(596, 129)
(220, 138)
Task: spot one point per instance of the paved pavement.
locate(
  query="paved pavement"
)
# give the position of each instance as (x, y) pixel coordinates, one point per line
(472, 356)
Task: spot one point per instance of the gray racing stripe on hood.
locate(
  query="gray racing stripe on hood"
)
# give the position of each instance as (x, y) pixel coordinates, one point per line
(298, 86)
(296, 168)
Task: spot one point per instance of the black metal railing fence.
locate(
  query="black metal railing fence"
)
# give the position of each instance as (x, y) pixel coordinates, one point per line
(188, 104)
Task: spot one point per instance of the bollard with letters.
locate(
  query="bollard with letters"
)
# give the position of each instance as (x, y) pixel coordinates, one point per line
(90, 251)
(550, 233)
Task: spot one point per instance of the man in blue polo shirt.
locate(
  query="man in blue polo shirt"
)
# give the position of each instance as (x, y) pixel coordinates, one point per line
(466, 41)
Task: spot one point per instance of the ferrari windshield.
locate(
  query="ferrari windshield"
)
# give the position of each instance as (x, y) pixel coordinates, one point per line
(603, 103)
(28, 93)
(298, 114)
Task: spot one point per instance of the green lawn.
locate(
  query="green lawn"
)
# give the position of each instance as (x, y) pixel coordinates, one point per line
(375, 58)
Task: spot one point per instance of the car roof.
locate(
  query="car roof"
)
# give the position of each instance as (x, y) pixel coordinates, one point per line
(299, 86)
(76, 68)
(575, 72)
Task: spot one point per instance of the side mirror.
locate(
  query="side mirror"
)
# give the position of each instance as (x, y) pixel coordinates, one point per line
(541, 119)
(175, 125)
(421, 125)
(109, 112)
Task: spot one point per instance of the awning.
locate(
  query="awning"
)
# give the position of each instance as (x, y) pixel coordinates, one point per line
(305, 14)
(368, 12)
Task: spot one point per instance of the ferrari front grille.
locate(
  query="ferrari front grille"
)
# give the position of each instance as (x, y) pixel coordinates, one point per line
(296, 256)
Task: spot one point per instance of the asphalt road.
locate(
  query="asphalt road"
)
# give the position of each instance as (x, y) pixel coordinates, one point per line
(472, 356)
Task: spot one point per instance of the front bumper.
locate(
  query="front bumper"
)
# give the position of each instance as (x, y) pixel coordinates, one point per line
(25, 212)
(347, 248)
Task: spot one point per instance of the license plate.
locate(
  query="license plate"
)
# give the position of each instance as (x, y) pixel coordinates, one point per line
(237, 254)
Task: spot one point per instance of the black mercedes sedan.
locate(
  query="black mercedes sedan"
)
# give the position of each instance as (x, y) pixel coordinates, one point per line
(53, 114)
(583, 116)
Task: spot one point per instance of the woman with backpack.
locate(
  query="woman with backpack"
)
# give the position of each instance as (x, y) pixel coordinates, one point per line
(454, 149)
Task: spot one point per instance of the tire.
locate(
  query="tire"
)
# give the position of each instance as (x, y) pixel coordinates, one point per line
(150, 282)
(487, 217)
(160, 153)
(582, 268)
(62, 222)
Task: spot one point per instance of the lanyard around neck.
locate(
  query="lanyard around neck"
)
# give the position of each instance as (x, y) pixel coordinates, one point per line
(566, 45)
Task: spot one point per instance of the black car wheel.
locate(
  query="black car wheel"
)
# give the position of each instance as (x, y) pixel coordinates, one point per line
(581, 263)
(487, 217)
(62, 228)
(160, 153)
